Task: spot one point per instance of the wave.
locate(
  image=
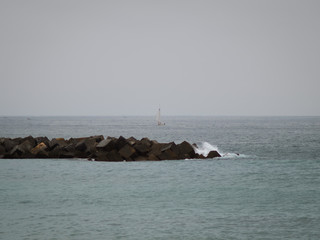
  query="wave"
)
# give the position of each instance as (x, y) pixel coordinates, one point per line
(205, 148)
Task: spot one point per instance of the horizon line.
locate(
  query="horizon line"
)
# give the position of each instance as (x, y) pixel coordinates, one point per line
(168, 115)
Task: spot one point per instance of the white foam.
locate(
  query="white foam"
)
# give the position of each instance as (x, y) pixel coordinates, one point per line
(232, 155)
(205, 148)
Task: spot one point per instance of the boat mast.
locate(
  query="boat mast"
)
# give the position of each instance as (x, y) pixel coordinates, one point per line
(158, 117)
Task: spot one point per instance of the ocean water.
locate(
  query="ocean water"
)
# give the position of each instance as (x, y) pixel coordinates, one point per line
(266, 185)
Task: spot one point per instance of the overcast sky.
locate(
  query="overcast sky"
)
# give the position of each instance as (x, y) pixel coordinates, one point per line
(239, 57)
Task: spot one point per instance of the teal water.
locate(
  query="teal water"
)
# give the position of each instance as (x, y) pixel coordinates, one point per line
(271, 191)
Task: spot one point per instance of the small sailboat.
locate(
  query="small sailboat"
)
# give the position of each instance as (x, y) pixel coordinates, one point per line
(158, 119)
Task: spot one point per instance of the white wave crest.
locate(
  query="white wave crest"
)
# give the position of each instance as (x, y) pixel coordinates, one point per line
(205, 148)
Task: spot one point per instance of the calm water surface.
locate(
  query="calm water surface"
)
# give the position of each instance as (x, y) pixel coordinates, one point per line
(270, 191)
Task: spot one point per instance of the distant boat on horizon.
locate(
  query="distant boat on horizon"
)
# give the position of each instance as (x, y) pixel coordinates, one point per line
(159, 118)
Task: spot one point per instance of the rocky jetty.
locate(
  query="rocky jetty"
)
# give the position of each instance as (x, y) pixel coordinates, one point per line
(99, 148)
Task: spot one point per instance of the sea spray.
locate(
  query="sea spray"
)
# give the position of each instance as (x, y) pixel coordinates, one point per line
(205, 148)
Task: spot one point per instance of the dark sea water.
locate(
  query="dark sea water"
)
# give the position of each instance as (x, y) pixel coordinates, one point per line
(271, 190)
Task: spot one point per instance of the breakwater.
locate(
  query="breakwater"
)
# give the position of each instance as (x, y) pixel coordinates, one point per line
(99, 148)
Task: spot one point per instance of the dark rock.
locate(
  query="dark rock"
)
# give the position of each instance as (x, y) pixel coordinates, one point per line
(98, 156)
(85, 147)
(64, 154)
(106, 145)
(152, 141)
(142, 147)
(91, 145)
(168, 146)
(45, 140)
(121, 142)
(74, 141)
(132, 141)
(152, 157)
(213, 154)
(42, 154)
(77, 154)
(61, 152)
(55, 142)
(54, 153)
(127, 152)
(200, 156)
(145, 151)
(81, 146)
(168, 154)
(22, 149)
(69, 148)
(156, 148)
(113, 156)
(186, 150)
(18, 140)
(147, 142)
(31, 140)
(12, 155)
(141, 158)
(2, 150)
(9, 144)
(98, 138)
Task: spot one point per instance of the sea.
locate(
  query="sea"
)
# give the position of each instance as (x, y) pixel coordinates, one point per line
(266, 185)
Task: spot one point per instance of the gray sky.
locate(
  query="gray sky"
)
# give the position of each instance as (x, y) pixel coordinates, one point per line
(191, 57)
